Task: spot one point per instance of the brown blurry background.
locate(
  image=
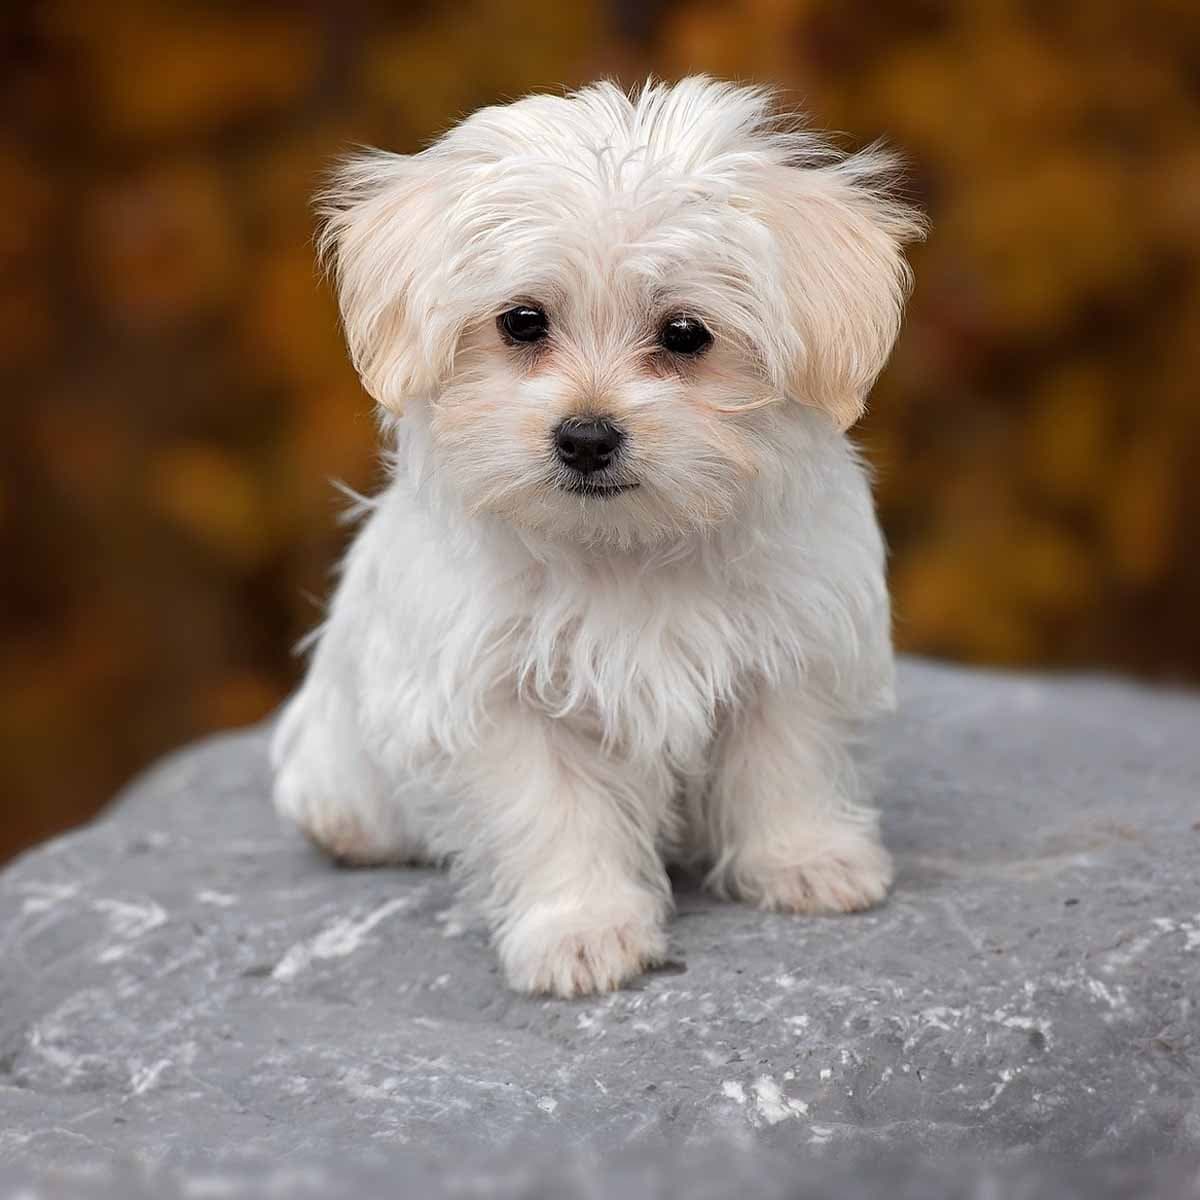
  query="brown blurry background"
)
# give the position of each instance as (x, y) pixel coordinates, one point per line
(177, 397)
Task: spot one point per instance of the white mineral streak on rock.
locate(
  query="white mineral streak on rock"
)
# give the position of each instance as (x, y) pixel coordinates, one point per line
(142, 1079)
(1190, 930)
(338, 940)
(942, 1017)
(128, 920)
(1025, 1022)
(219, 899)
(42, 1043)
(1122, 955)
(772, 1105)
(1007, 1075)
(45, 896)
(1114, 997)
(357, 1082)
(454, 921)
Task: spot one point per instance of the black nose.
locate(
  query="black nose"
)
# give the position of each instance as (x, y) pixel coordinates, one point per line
(587, 444)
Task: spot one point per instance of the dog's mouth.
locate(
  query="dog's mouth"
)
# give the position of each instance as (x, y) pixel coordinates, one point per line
(588, 487)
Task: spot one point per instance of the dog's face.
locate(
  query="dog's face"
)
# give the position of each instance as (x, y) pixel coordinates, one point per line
(612, 307)
(600, 404)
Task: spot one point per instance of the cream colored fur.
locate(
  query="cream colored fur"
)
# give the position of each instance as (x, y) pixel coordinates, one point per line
(561, 692)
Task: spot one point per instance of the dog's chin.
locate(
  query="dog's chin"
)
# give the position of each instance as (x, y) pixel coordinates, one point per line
(622, 511)
(621, 516)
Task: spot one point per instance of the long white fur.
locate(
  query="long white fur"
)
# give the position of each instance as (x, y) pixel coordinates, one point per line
(558, 692)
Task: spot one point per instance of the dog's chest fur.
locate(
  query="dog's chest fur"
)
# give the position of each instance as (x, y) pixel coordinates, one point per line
(449, 621)
(641, 653)
(644, 652)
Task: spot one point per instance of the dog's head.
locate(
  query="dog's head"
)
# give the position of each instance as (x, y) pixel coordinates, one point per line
(611, 306)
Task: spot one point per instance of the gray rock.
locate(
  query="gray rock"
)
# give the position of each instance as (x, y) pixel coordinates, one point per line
(187, 988)
(707, 1174)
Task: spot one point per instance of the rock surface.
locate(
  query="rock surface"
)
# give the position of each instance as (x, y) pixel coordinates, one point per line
(186, 987)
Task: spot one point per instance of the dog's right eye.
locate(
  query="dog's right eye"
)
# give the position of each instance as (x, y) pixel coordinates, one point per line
(525, 323)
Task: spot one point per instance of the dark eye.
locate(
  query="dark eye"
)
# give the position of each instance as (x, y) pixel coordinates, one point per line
(684, 335)
(525, 323)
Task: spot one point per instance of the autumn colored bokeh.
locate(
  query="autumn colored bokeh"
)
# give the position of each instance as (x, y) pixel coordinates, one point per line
(177, 396)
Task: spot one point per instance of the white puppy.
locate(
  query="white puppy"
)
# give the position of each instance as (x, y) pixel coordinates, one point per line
(622, 600)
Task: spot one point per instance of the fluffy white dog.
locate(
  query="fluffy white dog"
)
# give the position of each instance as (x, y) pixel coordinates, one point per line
(622, 601)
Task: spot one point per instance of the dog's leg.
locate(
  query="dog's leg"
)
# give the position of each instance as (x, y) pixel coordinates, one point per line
(558, 842)
(784, 818)
(327, 782)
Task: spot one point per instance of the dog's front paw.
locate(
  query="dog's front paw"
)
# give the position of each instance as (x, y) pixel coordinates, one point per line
(576, 954)
(847, 872)
(349, 842)
(350, 826)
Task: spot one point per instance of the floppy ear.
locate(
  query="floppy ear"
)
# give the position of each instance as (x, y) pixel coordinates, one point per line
(841, 236)
(380, 236)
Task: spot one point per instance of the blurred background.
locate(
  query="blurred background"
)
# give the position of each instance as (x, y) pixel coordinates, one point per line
(177, 397)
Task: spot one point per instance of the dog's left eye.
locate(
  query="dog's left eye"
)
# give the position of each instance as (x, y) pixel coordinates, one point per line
(684, 335)
(525, 323)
